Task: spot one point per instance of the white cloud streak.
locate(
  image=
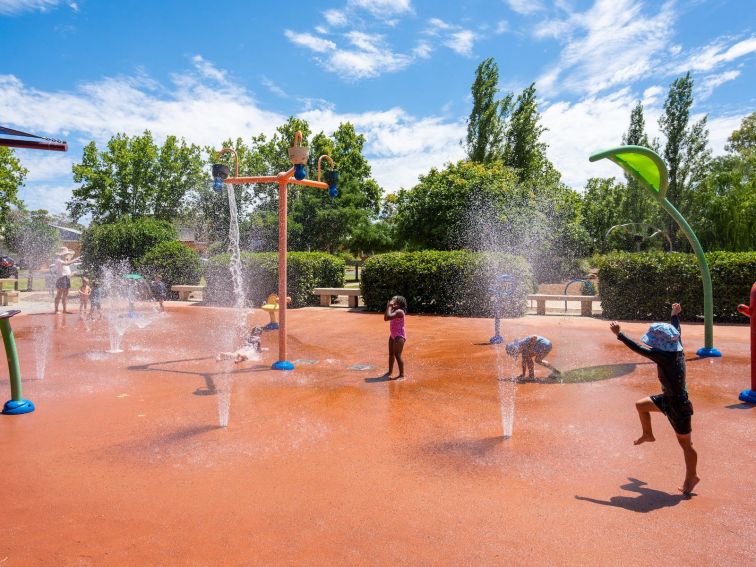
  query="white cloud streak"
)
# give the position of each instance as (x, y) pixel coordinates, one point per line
(14, 7)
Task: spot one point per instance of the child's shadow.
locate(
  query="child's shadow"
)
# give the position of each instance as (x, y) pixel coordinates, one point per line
(647, 500)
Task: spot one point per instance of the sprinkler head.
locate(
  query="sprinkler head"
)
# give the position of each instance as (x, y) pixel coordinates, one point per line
(300, 171)
(332, 178)
(220, 174)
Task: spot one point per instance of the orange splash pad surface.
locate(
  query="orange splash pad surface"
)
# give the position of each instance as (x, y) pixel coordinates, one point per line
(123, 462)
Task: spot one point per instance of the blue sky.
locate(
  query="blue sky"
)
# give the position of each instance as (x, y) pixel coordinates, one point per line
(400, 70)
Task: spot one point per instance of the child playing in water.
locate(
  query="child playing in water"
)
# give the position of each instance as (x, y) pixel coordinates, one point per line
(396, 310)
(84, 293)
(252, 346)
(667, 352)
(95, 300)
(531, 348)
(159, 290)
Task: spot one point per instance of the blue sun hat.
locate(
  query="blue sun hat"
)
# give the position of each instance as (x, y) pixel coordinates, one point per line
(513, 348)
(663, 336)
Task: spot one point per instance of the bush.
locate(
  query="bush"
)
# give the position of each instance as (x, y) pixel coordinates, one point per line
(176, 264)
(126, 239)
(644, 285)
(454, 283)
(305, 271)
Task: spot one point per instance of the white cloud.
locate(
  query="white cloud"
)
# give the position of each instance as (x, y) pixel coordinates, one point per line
(711, 82)
(51, 197)
(45, 166)
(383, 8)
(525, 7)
(422, 50)
(713, 55)
(335, 18)
(312, 42)
(12, 7)
(461, 42)
(208, 70)
(576, 130)
(502, 27)
(612, 43)
(273, 87)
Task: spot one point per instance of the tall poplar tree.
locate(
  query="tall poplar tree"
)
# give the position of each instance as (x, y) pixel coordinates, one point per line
(486, 124)
(686, 151)
(637, 205)
(524, 149)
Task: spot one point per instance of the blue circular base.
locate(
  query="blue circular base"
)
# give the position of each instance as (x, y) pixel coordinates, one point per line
(270, 327)
(497, 340)
(704, 352)
(748, 396)
(283, 365)
(17, 407)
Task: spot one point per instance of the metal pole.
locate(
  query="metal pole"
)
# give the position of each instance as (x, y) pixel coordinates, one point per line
(708, 348)
(282, 262)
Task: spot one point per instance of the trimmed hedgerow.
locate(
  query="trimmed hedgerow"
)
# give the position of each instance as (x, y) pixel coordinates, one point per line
(305, 271)
(174, 262)
(454, 283)
(644, 285)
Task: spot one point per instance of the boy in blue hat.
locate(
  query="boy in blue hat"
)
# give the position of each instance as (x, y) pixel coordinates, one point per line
(667, 352)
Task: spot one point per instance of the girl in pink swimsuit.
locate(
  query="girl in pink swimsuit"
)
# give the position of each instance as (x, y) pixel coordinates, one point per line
(396, 309)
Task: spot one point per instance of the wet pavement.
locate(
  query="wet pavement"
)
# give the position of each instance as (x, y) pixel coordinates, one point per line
(124, 462)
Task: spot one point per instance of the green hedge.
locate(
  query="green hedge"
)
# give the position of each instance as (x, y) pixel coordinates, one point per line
(644, 285)
(306, 270)
(174, 262)
(454, 283)
(127, 239)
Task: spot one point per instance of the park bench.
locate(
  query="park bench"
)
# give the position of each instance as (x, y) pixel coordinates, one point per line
(586, 302)
(185, 291)
(325, 294)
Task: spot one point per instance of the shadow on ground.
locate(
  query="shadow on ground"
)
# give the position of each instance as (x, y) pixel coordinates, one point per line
(648, 499)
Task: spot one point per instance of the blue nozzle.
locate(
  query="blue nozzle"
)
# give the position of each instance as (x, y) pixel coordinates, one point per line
(333, 191)
(300, 172)
(218, 184)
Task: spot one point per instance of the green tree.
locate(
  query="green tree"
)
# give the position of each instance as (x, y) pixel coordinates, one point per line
(12, 175)
(135, 177)
(524, 150)
(724, 206)
(685, 151)
(33, 239)
(637, 205)
(484, 207)
(486, 123)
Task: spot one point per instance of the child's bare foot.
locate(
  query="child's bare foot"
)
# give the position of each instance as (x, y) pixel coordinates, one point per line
(399, 377)
(646, 437)
(689, 485)
(387, 375)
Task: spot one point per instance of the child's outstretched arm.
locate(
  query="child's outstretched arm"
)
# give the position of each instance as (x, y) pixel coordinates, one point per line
(676, 310)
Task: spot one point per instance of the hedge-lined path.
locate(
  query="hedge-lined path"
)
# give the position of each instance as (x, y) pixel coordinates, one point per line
(123, 460)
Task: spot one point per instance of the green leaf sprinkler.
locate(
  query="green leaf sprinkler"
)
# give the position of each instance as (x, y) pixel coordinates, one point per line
(648, 168)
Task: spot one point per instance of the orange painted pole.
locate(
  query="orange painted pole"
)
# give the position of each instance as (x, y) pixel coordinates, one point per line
(283, 246)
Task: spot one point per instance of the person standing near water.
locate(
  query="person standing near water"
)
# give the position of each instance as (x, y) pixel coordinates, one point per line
(666, 351)
(396, 311)
(63, 260)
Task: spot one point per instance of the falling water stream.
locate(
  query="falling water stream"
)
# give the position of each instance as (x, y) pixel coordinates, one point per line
(226, 380)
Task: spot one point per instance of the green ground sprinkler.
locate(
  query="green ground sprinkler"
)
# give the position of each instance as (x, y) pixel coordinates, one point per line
(648, 168)
(16, 405)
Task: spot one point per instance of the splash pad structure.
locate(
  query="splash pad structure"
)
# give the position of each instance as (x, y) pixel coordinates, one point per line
(295, 176)
(650, 170)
